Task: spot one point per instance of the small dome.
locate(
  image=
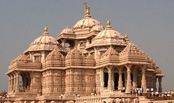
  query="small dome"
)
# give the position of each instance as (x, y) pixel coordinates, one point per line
(44, 42)
(97, 28)
(67, 30)
(109, 32)
(86, 22)
(108, 36)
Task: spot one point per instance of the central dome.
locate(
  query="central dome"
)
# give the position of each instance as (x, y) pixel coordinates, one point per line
(86, 22)
(44, 42)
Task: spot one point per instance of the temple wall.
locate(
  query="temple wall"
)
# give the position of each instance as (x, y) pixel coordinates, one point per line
(53, 82)
(81, 81)
(36, 82)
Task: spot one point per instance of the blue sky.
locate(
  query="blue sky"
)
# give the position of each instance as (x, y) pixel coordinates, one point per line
(148, 23)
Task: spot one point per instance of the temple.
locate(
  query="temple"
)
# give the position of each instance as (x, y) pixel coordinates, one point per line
(88, 63)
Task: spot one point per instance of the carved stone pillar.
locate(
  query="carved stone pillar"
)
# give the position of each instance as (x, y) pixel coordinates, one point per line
(14, 82)
(110, 84)
(63, 43)
(96, 55)
(154, 84)
(9, 83)
(102, 77)
(87, 43)
(143, 81)
(120, 81)
(128, 82)
(160, 84)
(17, 81)
(135, 78)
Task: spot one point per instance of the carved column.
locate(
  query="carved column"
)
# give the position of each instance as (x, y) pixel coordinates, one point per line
(160, 84)
(14, 82)
(96, 55)
(63, 43)
(87, 43)
(9, 83)
(135, 78)
(110, 78)
(154, 82)
(17, 81)
(102, 77)
(120, 81)
(143, 81)
(128, 82)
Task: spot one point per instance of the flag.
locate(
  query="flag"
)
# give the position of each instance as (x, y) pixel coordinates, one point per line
(86, 6)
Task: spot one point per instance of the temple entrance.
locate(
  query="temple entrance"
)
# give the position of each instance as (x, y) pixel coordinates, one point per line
(116, 78)
(105, 79)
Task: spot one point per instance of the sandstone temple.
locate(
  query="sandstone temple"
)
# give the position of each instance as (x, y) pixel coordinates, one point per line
(86, 63)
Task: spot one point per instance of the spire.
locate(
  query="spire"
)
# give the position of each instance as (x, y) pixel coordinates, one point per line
(108, 26)
(46, 31)
(126, 37)
(108, 22)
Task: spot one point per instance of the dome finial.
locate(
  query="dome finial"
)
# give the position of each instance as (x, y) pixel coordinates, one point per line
(109, 22)
(87, 12)
(126, 37)
(46, 29)
(108, 26)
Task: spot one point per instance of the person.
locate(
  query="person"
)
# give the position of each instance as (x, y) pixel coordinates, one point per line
(123, 89)
(151, 90)
(139, 92)
(165, 93)
(157, 94)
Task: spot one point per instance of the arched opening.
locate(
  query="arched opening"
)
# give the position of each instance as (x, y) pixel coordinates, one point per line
(69, 43)
(24, 81)
(106, 77)
(116, 78)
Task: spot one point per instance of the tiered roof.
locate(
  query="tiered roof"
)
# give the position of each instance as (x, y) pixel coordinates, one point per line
(74, 58)
(132, 54)
(110, 56)
(55, 59)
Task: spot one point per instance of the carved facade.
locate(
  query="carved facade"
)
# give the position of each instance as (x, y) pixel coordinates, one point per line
(87, 63)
